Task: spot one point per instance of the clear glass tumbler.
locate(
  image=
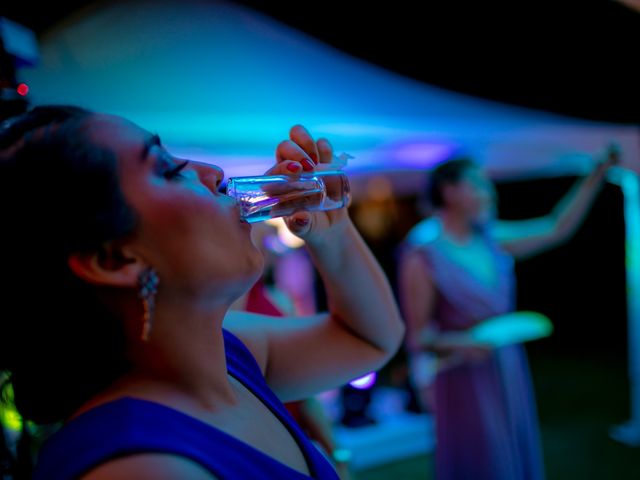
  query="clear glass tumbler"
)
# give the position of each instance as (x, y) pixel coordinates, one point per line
(263, 197)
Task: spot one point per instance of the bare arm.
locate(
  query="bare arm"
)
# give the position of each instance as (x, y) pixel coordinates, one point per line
(360, 334)
(302, 356)
(417, 295)
(417, 299)
(525, 238)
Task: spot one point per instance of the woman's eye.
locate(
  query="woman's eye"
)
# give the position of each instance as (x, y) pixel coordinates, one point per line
(175, 171)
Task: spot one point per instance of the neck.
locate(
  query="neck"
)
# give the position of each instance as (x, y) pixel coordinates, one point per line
(184, 354)
(456, 226)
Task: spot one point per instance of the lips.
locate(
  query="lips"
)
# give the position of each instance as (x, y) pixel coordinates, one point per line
(245, 224)
(247, 227)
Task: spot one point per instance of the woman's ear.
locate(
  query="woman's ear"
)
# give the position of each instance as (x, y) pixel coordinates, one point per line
(111, 265)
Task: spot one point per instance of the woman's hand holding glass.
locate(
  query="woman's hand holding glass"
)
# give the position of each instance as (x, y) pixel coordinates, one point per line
(302, 154)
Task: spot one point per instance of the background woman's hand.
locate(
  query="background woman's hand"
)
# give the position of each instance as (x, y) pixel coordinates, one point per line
(455, 348)
(610, 158)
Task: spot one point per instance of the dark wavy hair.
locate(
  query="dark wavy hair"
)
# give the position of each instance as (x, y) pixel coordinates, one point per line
(449, 172)
(59, 194)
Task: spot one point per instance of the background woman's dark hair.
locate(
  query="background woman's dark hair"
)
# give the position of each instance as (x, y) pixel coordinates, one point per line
(59, 193)
(450, 171)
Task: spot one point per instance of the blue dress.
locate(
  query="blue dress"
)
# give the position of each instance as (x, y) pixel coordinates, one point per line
(130, 426)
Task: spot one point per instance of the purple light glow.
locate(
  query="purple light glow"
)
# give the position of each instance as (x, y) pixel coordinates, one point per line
(420, 153)
(365, 382)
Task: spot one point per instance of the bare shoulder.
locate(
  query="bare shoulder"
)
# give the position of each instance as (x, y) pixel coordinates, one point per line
(251, 329)
(148, 466)
(424, 233)
(263, 333)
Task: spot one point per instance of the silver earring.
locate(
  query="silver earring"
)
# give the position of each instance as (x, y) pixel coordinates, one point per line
(147, 288)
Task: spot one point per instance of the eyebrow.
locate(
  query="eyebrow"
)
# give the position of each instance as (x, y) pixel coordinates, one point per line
(149, 142)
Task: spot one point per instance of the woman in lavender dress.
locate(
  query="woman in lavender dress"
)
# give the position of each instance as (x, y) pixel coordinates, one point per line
(456, 270)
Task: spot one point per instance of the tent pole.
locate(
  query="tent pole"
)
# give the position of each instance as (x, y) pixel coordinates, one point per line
(629, 432)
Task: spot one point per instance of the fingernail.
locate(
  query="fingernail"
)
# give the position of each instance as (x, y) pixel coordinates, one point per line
(301, 222)
(293, 167)
(307, 164)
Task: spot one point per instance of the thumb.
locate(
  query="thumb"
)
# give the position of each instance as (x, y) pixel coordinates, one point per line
(299, 223)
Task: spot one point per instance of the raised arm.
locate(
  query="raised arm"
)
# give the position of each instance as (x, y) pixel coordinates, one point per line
(417, 292)
(526, 238)
(417, 295)
(363, 328)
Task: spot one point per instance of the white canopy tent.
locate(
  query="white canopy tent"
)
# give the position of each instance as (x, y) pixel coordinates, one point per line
(223, 84)
(226, 83)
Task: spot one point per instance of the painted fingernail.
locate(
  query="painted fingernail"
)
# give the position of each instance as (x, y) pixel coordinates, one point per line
(301, 222)
(307, 164)
(293, 167)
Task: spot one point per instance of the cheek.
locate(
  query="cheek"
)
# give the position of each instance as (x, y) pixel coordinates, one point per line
(187, 212)
(468, 198)
(175, 229)
(196, 231)
(196, 260)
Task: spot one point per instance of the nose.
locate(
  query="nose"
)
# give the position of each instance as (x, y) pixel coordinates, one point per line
(210, 175)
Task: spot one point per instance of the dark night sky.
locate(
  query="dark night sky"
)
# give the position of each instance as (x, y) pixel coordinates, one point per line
(570, 57)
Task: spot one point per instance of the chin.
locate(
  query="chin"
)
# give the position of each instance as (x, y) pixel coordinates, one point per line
(256, 267)
(241, 283)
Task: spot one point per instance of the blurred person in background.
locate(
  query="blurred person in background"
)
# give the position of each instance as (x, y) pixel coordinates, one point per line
(456, 269)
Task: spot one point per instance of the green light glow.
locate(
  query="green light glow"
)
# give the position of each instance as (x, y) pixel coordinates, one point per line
(9, 417)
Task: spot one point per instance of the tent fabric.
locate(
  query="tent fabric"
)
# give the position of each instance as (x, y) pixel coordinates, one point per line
(223, 84)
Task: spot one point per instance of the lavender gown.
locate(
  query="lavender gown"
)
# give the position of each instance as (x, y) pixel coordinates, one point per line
(486, 419)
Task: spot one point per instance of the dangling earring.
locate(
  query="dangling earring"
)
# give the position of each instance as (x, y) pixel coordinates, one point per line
(148, 287)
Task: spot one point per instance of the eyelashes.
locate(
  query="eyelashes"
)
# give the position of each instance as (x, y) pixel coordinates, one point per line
(176, 171)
